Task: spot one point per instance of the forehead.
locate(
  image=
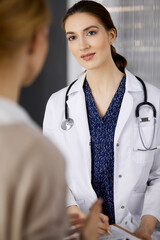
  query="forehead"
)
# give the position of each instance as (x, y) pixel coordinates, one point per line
(80, 21)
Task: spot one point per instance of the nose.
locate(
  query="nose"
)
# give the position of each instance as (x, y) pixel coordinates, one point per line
(83, 44)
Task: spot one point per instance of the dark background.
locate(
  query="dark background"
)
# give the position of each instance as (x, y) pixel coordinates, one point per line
(53, 75)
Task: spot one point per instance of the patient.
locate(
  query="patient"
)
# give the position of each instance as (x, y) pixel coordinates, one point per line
(32, 182)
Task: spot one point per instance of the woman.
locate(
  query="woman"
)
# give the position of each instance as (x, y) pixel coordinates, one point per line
(31, 205)
(32, 182)
(103, 147)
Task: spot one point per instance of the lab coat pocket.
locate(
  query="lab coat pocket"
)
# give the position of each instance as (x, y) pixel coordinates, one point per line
(142, 157)
(143, 138)
(144, 134)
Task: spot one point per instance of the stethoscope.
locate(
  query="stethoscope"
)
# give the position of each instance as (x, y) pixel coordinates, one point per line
(69, 122)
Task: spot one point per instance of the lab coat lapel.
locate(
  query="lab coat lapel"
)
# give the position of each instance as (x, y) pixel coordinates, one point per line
(132, 85)
(77, 109)
(124, 114)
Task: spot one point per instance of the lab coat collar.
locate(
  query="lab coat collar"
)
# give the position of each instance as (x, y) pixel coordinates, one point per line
(78, 85)
(132, 84)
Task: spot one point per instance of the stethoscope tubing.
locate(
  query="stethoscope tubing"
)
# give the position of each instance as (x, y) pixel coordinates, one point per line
(69, 122)
(66, 99)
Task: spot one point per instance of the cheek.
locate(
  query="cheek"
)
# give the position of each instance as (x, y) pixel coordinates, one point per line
(73, 49)
(101, 44)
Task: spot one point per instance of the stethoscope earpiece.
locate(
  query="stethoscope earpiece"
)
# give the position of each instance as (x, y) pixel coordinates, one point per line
(67, 124)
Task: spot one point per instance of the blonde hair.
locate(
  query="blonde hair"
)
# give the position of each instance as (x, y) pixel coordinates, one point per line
(19, 20)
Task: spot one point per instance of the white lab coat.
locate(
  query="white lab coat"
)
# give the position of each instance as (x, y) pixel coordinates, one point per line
(136, 173)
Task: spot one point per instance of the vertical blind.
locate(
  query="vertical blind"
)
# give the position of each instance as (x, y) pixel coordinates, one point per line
(138, 26)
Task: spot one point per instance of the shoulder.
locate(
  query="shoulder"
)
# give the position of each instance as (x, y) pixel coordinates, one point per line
(24, 143)
(56, 101)
(151, 89)
(58, 96)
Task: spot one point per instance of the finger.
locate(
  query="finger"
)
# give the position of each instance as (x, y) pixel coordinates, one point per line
(73, 231)
(104, 218)
(79, 221)
(73, 216)
(102, 232)
(97, 206)
(104, 226)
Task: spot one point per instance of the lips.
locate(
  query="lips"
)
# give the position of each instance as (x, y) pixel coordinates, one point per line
(88, 56)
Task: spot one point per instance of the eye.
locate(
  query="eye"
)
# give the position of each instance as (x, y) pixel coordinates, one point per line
(91, 33)
(71, 38)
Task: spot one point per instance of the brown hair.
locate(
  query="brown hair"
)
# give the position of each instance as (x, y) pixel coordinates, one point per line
(104, 17)
(18, 22)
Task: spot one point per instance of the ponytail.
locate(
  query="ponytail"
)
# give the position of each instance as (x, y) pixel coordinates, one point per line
(119, 60)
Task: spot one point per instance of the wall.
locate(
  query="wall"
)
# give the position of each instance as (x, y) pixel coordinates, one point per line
(53, 75)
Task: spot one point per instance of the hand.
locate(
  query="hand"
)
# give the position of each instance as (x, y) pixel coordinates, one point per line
(78, 219)
(90, 223)
(143, 233)
(76, 223)
(91, 227)
(74, 209)
(103, 226)
(146, 227)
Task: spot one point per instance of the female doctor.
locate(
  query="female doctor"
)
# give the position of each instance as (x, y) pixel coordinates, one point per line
(111, 145)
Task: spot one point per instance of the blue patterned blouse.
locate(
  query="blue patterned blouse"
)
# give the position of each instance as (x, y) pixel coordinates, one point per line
(102, 132)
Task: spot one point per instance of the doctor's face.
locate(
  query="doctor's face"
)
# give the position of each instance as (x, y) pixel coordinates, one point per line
(88, 40)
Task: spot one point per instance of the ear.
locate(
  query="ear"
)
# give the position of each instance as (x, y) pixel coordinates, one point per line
(112, 35)
(36, 41)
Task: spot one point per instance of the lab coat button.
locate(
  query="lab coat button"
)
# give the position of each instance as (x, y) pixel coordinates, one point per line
(119, 175)
(122, 207)
(126, 222)
(117, 144)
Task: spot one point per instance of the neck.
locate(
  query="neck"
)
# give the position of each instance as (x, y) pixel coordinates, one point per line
(11, 78)
(9, 91)
(9, 84)
(106, 78)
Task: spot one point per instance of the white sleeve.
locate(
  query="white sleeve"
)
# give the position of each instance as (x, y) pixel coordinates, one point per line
(152, 196)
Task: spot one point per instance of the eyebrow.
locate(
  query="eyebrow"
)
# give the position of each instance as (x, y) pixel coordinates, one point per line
(92, 26)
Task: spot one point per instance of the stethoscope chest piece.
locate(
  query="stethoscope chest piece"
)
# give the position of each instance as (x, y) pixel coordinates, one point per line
(67, 124)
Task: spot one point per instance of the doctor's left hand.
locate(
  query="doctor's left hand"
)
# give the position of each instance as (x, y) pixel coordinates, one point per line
(143, 233)
(146, 227)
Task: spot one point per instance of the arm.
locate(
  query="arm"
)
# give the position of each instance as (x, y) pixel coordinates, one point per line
(90, 228)
(151, 209)
(83, 221)
(34, 186)
(75, 209)
(146, 227)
